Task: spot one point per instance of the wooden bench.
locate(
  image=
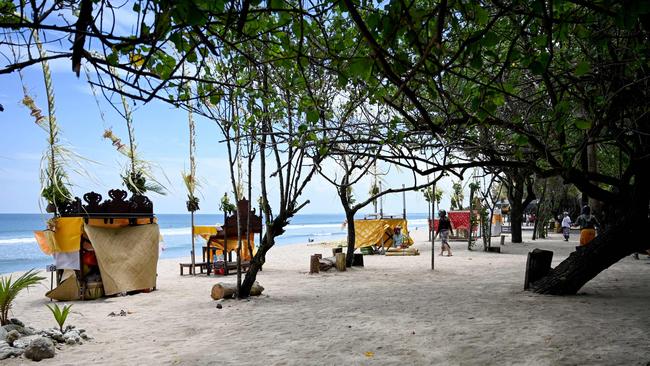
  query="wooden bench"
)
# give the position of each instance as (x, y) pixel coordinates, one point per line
(201, 265)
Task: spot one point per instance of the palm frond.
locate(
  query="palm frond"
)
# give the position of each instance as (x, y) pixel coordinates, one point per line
(9, 290)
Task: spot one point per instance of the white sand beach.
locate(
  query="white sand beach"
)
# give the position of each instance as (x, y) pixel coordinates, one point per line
(471, 310)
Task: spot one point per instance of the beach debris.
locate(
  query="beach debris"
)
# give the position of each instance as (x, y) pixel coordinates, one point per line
(39, 349)
(219, 306)
(370, 354)
(121, 313)
(7, 351)
(226, 290)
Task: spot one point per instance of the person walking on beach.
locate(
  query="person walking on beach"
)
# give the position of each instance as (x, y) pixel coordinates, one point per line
(566, 226)
(444, 229)
(588, 224)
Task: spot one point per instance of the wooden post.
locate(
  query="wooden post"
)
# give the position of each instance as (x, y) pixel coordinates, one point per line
(340, 261)
(538, 265)
(336, 250)
(503, 240)
(314, 264)
(192, 269)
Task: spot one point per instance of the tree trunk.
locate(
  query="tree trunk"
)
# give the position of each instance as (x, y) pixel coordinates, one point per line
(624, 237)
(349, 216)
(275, 229)
(518, 181)
(588, 261)
(516, 211)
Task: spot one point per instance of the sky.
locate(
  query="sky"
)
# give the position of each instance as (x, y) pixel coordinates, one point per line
(162, 137)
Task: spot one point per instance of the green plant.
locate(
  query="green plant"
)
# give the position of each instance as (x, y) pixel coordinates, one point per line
(10, 289)
(60, 315)
(225, 205)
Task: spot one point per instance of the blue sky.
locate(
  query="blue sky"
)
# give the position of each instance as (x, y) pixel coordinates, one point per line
(162, 137)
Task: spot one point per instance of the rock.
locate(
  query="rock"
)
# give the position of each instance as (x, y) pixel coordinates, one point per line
(7, 351)
(16, 321)
(9, 327)
(72, 337)
(54, 334)
(39, 349)
(12, 336)
(26, 341)
(3, 334)
(22, 330)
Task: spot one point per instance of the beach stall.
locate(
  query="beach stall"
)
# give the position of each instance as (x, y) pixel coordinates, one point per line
(102, 248)
(377, 234)
(221, 241)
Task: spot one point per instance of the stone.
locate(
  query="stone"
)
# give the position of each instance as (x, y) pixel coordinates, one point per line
(12, 336)
(25, 341)
(9, 327)
(7, 351)
(16, 321)
(3, 334)
(72, 337)
(54, 334)
(21, 329)
(40, 349)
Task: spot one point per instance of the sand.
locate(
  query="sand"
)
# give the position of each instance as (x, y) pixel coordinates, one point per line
(471, 310)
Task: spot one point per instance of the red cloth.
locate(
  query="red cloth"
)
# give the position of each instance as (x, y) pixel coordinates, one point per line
(459, 220)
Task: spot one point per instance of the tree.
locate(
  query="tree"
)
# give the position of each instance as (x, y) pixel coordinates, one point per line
(577, 68)
(519, 85)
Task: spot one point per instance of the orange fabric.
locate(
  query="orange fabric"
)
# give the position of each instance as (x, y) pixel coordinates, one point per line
(45, 240)
(586, 236)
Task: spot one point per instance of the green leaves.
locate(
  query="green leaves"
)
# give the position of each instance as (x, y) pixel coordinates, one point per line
(10, 289)
(582, 124)
(60, 315)
(361, 67)
(582, 68)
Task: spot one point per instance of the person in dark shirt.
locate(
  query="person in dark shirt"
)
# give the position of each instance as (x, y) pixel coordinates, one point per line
(444, 229)
(588, 225)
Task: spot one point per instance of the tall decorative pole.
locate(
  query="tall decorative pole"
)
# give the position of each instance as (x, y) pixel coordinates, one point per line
(403, 203)
(433, 227)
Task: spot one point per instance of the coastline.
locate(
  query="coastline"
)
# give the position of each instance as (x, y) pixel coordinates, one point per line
(470, 310)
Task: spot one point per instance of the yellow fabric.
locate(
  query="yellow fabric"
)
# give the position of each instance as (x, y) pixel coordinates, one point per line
(587, 235)
(231, 245)
(127, 256)
(205, 231)
(379, 232)
(45, 240)
(67, 234)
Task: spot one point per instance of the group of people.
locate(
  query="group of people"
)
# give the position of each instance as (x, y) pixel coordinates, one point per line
(586, 222)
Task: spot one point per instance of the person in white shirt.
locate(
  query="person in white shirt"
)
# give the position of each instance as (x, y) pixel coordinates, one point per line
(566, 226)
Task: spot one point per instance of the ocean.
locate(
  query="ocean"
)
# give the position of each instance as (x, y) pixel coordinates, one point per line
(19, 251)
